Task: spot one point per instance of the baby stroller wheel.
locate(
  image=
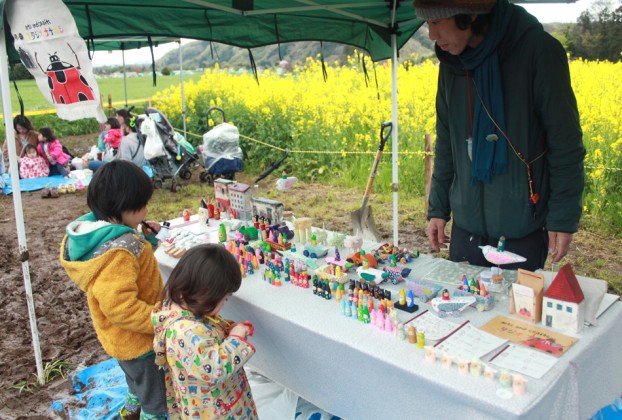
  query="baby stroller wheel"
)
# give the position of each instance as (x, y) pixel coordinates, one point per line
(230, 176)
(206, 177)
(157, 184)
(175, 187)
(186, 174)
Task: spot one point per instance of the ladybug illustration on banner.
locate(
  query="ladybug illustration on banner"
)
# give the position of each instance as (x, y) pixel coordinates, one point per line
(66, 83)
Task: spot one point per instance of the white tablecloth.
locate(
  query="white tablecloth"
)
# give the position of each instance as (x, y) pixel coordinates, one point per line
(356, 371)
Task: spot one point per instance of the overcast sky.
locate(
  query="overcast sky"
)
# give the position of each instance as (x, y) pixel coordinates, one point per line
(546, 13)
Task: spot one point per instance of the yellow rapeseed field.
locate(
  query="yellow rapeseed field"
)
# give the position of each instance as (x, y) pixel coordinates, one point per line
(327, 124)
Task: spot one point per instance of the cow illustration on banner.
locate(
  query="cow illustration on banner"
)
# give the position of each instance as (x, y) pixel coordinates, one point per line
(50, 47)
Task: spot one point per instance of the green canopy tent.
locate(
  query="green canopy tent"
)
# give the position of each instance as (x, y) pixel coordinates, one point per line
(379, 27)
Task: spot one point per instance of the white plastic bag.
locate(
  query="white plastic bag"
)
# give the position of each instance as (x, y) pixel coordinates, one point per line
(153, 142)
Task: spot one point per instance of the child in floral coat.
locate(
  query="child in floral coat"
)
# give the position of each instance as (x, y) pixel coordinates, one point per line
(32, 165)
(203, 354)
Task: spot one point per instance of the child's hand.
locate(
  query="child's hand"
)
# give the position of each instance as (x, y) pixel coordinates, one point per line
(150, 227)
(240, 330)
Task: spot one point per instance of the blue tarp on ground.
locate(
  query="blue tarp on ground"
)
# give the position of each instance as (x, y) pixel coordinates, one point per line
(99, 392)
(34, 184)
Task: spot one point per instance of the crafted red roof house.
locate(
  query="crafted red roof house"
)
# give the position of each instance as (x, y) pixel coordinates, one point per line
(565, 286)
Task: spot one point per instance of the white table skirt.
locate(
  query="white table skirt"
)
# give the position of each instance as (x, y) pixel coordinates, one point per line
(356, 371)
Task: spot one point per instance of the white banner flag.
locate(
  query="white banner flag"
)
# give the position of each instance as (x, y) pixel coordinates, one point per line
(47, 40)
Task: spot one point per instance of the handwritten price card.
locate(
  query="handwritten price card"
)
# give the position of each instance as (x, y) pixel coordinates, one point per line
(469, 343)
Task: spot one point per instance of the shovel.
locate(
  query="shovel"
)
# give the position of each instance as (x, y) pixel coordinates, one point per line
(363, 222)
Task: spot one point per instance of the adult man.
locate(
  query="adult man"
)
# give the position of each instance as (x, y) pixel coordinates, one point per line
(509, 149)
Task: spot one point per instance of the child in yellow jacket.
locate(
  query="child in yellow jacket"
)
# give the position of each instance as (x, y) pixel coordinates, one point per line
(116, 268)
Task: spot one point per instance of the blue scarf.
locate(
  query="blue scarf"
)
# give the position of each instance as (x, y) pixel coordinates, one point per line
(489, 157)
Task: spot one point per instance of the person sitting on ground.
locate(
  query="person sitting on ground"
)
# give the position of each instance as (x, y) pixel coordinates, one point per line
(123, 116)
(115, 267)
(50, 149)
(131, 148)
(24, 134)
(113, 133)
(218, 349)
(32, 165)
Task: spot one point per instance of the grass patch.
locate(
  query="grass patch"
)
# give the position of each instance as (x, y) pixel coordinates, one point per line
(51, 371)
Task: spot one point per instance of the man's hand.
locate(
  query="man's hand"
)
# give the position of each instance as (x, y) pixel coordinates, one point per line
(436, 233)
(559, 242)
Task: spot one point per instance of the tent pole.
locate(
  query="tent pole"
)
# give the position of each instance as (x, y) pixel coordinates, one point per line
(394, 155)
(17, 202)
(124, 78)
(183, 97)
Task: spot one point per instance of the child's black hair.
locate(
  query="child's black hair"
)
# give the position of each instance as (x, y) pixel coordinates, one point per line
(116, 187)
(113, 122)
(202, 278)
(29, 147)
(47, 133)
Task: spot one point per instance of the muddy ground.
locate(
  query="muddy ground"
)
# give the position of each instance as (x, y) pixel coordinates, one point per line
(64, 324)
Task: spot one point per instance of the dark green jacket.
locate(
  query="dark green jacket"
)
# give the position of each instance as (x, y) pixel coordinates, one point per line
(541, 115)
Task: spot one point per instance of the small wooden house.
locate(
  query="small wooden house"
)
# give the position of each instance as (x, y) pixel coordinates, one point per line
(563, 306)
(221, 193)
(240, 197)
(267, 208)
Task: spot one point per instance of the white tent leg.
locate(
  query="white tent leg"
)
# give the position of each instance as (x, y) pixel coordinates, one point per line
(394, 137)
(183, 97)
(124, 78)
(17, 201)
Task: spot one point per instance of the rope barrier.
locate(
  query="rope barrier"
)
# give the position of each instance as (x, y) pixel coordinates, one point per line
(53, 110)
(316, 152)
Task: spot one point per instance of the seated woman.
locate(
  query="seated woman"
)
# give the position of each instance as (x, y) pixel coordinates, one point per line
(24, 134)
(131, 148)
(50, 149)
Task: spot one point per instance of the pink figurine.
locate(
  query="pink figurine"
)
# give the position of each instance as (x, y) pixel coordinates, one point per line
(186, 215)
(518, 384)
(430, 354)
(388, 325)
(379, 319)
(463, 366)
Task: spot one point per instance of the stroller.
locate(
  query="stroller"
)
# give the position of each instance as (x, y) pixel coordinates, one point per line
(221, 151)
(168, 153)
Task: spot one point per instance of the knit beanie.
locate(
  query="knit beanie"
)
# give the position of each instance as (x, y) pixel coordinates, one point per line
(442, 9)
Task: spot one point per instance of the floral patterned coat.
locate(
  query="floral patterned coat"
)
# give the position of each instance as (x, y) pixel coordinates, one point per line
(205, 376)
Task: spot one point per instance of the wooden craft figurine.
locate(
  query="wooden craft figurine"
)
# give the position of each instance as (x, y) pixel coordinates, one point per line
(430, 354)
(321, 235)
(490, 373)
(446, 361)
(518, 384)
(302, 229)
(476, 367)
(353, 243)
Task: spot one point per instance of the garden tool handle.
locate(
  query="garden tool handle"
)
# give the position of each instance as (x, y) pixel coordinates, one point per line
(215, 108)
(383, 139)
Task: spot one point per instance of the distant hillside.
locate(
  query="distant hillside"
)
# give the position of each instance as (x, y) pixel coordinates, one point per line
(199, 55)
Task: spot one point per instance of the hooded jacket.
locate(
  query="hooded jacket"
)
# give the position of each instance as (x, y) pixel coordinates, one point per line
(203, 365)
(541, 119)
(120, 276)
